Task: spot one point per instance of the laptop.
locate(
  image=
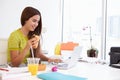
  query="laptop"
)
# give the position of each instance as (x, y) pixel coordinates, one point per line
(71, 58)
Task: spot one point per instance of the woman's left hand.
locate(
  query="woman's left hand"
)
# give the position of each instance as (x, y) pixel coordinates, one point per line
(54, 60)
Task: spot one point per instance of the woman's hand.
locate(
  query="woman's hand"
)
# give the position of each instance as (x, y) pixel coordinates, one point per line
(54, 60)
(35, 41)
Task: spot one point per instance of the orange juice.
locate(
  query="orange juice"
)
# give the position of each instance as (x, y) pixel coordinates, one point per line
(33, 68)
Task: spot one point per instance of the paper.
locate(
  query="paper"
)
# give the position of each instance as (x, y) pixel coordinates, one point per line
(14, 73)
(58, 76)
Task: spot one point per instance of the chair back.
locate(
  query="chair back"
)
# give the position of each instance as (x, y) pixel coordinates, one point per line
(3, 51)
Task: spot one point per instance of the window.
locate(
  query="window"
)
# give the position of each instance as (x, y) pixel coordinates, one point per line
(79, 16)
(113, 25)
(103, 16)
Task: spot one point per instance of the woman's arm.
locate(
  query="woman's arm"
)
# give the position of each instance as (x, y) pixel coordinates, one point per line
(17, 56)
(41, 55)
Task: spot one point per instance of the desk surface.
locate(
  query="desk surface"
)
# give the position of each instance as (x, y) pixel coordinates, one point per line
(91, 71)
(95, 71)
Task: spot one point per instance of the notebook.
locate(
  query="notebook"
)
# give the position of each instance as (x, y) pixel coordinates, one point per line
(58, 76)
(71, 59)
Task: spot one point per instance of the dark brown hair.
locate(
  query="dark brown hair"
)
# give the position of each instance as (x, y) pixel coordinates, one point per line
(27, 13)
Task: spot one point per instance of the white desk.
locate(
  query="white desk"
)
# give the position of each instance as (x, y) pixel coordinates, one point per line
(91, 71)
(95, 71)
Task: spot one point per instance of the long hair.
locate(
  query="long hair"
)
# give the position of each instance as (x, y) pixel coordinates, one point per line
(27, 13)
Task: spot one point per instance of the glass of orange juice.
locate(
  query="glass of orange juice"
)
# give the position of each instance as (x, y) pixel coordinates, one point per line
(33, 64)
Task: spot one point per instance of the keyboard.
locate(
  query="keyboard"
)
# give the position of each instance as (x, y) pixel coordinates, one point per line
(115, 65)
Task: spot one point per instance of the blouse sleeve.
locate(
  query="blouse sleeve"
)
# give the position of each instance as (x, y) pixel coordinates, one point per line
(13, 42)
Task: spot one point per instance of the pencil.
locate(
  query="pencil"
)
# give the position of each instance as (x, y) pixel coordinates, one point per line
(2, 69)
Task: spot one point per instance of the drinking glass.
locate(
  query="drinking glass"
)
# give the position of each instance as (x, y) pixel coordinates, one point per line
(33, 64)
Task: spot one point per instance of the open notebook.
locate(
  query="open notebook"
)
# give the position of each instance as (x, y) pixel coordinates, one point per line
(70, 60)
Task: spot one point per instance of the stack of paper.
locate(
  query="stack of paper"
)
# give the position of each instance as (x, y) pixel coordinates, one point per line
(10, 73)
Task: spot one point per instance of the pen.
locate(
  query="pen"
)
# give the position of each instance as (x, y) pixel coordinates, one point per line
(2, 69)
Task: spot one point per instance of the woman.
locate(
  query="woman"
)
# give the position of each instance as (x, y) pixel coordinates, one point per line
(23, 39)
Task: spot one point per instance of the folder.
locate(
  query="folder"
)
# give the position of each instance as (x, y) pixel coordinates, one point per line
(58, 76)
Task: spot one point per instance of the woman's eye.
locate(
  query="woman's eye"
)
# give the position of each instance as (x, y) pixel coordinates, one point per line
(36, 21)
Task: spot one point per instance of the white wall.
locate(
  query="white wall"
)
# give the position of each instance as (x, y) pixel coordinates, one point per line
(10, 12)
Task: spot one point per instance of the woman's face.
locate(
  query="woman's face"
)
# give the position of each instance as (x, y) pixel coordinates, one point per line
(32, 22)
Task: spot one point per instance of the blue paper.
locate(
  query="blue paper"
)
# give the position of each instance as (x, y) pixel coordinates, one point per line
(58, 76)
